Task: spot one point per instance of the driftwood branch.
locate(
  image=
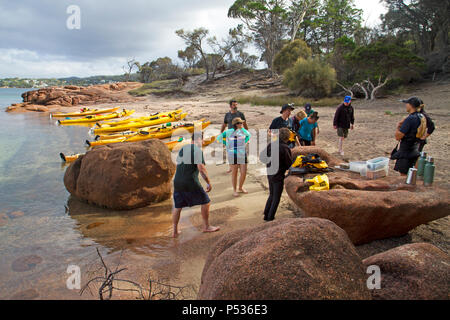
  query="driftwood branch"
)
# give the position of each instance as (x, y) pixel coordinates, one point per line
(157, 290)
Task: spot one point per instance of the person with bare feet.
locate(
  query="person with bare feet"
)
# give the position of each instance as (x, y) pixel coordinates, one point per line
(188, 192)
(235, 140)
(229, 117)
(344, 119)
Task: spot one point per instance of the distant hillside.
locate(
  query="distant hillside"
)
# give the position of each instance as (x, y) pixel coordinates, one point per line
(49, 82)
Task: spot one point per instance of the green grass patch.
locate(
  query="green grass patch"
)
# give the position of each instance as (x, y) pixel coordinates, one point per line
(160, 88)
(279, 100)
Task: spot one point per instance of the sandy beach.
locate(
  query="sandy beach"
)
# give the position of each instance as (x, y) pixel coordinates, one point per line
(143, 244)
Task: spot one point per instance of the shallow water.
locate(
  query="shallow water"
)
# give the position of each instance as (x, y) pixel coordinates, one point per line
(52, 230)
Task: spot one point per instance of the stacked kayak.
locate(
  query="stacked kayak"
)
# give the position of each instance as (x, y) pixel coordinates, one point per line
(177, 145)
(106, 124)
(96, 118)
(160, 119)
(162, 132)
(113, 126)
(84, 112)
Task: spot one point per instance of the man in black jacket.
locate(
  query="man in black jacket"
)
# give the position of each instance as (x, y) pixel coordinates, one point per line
(277, 165)
(344, 119)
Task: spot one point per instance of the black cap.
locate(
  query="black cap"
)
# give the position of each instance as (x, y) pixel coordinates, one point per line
(315, 115)
(414, 101)
(286, 107)
(308, 107)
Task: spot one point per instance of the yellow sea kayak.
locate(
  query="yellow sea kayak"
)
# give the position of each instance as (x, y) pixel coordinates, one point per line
(70, 158)
(160, 133)
(177, 145)
(105, 124)
(169, 132)
(90, 119)
(173, 117)
(87, 112)
(131, 132)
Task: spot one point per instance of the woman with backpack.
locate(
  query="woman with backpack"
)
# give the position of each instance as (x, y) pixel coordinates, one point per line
(409, 133)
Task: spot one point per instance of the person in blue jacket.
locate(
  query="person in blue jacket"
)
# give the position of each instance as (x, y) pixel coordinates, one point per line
(308, 130)
(235, 140)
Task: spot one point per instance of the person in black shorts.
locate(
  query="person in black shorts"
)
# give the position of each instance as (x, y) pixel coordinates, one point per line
(188, 192)
(409, 133)
(344, 119)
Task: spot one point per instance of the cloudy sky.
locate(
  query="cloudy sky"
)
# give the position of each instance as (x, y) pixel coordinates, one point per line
(35, 41)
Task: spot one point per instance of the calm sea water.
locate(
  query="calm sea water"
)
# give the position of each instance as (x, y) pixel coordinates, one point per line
(54, 230)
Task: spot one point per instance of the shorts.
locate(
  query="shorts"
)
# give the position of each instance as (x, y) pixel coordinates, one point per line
(403, 165)
(343, 133)
(305, 143)
(184, 199)
(234, 158)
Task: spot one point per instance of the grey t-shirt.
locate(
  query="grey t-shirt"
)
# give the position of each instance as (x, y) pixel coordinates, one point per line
(230, 116)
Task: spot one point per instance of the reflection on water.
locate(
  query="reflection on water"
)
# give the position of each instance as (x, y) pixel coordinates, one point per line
(51, 229)
(141, 230)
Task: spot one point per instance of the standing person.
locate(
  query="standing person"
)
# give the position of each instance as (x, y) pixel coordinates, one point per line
(344, 119)
(235, 140)
(230, 115)
(276, 180)
(228, 120)
(188, 191)
(296, 125)
(309, 111)
(283, 121)
(430, 127)
(307, 131)
(409, 133)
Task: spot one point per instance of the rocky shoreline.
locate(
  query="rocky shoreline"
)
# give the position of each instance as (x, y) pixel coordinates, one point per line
(58, 98)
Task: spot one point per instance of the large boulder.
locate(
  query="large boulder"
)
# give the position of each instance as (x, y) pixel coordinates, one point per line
(418, 271)
(70, 96)
(284, 260)
(370, 210)
(122, 176)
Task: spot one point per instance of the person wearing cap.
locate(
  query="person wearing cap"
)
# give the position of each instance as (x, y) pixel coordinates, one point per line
(344, 119)
(409, 134)
(188, 191)
(283, 121)
(309, 111)
(307, 130)
(235, 140)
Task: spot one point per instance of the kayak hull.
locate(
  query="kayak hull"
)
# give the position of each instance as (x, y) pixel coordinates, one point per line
(83, 114)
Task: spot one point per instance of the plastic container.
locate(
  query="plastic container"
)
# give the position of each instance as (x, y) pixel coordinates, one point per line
(378, 174)
(378, 164)
(358, 166)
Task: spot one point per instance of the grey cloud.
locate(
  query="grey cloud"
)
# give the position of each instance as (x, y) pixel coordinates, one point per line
(108, 28)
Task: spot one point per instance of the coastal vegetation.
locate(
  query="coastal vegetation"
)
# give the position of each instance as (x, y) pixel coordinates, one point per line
(320, 47)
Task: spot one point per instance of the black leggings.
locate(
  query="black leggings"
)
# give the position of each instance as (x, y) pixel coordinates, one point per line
(276, 189)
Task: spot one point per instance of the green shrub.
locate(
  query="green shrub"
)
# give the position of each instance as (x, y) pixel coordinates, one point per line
(279, 100)
(311, 78)
(290, 53)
